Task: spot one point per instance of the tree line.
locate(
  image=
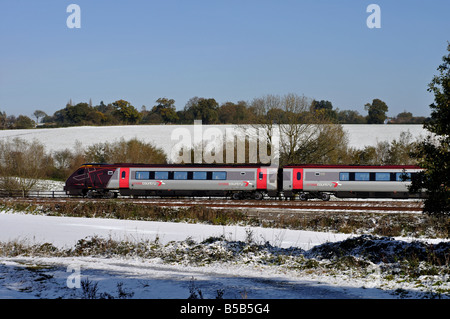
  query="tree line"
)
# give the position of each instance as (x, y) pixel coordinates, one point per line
(122, 112)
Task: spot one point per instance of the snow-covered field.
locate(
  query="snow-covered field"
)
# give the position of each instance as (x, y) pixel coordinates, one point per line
(250, 275)
(165, 136)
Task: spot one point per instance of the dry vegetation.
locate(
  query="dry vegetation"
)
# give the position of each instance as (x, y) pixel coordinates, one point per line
(23, 163)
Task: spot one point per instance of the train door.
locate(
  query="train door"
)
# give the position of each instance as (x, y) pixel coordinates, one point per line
(261, 179)
(297, 178)
(124, 178)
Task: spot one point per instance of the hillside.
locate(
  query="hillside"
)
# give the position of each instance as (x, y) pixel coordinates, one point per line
(160, 135)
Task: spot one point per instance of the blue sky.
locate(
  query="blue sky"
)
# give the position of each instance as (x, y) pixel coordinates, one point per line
(227, 50)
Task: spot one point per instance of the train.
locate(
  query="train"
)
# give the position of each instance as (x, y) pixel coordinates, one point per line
(242, 181)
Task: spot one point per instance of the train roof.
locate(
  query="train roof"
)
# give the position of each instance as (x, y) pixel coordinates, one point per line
(225, 165)
(353, 166)
(176, 165)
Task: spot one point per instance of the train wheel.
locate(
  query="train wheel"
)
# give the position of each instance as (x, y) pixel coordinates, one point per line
(110, 195)
(258, 195)
(303, 197)
(325, 197)
(236, 196)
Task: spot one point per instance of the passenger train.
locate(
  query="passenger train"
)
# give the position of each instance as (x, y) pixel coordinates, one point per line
(242, 181)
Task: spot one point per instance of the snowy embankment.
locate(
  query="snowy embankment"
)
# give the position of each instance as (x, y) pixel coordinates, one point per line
(170, 260)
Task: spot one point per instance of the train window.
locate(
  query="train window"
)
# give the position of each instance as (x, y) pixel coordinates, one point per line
(80, 171)
(161, 175)
(344, 176)
(261, 176)
(299, 176)
(403, 177)
(142, 175)
(382, 176)
(180, 175)
(362, 176)
(219, 175)
(124, 174)
(199, 175)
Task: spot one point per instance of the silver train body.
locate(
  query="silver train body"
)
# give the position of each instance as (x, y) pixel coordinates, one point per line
(239, 182)
(347, 181)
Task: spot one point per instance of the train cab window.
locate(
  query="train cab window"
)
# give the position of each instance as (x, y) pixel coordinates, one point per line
(382, 176)
(362, 176)
(403, 177)
(80, 171)
(299, 176)
(219, 175)
(199, 175)
(161, 175)
(142, 175)
(180, 175)
(344, 176)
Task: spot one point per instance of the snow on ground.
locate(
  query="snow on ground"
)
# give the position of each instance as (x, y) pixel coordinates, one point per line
(161, 135)
(51, 277)
(66, 231)
(152, 278)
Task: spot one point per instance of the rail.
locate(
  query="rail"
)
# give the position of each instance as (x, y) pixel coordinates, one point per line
(33, 194)
(221, 202)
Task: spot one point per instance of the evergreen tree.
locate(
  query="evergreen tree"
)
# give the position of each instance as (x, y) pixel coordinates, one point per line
(126, 112)
(433, 153)
(377, 112)
(166, 110)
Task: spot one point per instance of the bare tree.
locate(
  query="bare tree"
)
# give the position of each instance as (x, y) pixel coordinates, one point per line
(305, 135)
(22, 164)
(38, 114)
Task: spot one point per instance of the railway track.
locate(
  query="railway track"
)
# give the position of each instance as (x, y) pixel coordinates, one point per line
(247, 205)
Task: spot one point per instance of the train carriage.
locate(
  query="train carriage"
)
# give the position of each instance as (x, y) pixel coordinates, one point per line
(348, 181)
(110, 180)
(243, 181)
